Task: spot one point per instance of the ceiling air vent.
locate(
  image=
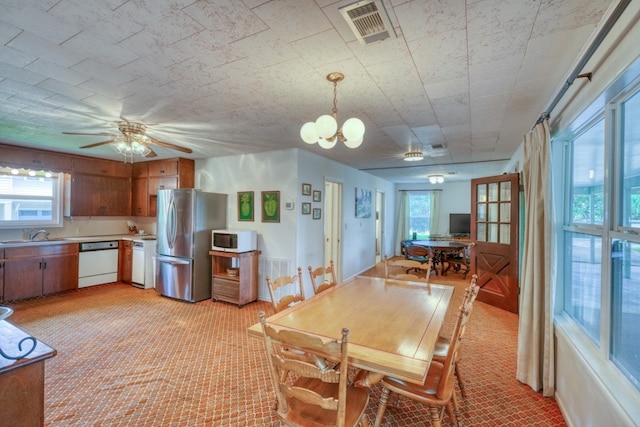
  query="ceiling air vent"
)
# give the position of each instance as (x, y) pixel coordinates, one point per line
(368, 20)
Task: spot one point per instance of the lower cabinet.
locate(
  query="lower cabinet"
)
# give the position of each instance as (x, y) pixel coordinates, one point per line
(40, 270)
(125, 261)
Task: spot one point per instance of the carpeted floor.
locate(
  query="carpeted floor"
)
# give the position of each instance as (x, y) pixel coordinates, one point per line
(128, 357)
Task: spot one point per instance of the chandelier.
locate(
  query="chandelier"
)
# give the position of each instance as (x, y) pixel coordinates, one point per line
(133, 141)
(325, 129)
(436, 179)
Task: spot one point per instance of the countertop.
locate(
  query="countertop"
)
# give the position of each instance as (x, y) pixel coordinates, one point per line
(75, 239)
(10, 337)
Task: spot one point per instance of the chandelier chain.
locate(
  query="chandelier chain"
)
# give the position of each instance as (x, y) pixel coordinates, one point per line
(335, 98)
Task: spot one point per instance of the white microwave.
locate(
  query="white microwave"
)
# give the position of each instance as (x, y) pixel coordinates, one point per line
(234, 240)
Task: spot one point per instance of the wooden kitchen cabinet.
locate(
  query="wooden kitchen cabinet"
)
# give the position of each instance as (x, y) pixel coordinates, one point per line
(35, 159)
(33, 271)
(96, 195)
(125, 261)
(93, 166)
(168, 174)
(240, 289)
(140, 196)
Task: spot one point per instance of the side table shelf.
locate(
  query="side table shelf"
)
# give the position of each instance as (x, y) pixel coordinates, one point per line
(240, 289)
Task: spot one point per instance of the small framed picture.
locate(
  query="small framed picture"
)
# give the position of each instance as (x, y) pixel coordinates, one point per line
(317, 195)
(270, 206)
(317, 213)
(306, 208)
(245, 205)
(306, 189)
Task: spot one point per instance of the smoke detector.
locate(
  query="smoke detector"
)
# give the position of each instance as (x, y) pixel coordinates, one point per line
(368, 20)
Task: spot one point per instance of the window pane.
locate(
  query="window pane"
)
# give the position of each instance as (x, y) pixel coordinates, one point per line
(493, 212)
(481, 230)
(625, 335)
(505, 212)
(505, 234)
(493, 192)
(505, 191)
(481, 212)
(631, 161)
(493, 233)
(583, 265)
(419, 215)
(588, 176)
(482, 193)
(29, 198)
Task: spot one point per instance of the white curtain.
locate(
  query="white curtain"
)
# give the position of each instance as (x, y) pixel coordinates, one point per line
(536, 363)
(434, 221)
(402, 226)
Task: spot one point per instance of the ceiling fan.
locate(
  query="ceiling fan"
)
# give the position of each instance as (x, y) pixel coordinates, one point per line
(133, 141)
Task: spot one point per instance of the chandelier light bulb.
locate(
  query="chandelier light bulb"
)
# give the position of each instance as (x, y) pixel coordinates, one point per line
(308, 133)
(353, 143)
(353, 129)
(326, 144)
(326, 126)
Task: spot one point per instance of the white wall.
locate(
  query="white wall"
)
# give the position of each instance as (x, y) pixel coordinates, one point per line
(297, 238)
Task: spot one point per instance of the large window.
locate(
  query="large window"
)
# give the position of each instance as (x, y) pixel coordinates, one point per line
(29, 198)
(601, 240)
(419, 214)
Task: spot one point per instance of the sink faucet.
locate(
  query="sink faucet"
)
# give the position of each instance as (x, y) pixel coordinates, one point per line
(33, 234)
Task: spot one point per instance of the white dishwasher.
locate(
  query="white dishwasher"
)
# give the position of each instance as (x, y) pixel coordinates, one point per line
(98, 263)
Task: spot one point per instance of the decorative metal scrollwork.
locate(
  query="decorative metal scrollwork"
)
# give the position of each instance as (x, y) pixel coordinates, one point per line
(32, 339)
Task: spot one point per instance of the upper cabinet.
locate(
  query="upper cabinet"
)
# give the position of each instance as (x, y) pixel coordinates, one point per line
(161, 174)
(35, 159)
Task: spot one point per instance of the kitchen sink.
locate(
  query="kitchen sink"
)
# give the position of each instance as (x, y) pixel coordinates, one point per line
(5, 312)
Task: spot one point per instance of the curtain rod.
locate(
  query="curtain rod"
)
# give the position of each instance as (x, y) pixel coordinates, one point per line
(587, 56)
(423, 189)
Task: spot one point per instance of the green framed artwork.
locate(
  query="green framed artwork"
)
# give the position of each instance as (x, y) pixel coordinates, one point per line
(317, 213)
(306, 189)
(270, 206)
(306, 208)
(245, 205)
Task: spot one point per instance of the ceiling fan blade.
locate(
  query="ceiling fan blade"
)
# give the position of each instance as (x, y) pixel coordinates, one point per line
(168, 145)
(97, 144)
(151, 153)
(97, 134)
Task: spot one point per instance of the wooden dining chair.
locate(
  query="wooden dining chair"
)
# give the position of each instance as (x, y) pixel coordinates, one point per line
(316, 394)
(438, 389)
(442, 345)
(460, 261)
(291, 290)
(406, 266)
(319, 277)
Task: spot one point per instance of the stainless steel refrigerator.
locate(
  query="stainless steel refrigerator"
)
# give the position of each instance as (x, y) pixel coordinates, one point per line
(185, 220)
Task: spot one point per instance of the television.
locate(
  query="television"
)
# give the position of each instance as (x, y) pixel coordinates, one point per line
(459, 223)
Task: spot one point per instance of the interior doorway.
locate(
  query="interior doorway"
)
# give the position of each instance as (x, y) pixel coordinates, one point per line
(379, 225)
(332, 225)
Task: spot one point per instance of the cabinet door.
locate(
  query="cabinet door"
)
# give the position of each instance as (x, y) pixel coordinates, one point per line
(60, 273)
(139, 197)
(88, 165)
(22, 278)
(159, 183)
(94, 195)
(125, 261)
(167, 167)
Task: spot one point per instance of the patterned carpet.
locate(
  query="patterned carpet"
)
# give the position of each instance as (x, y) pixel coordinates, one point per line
(128, 357)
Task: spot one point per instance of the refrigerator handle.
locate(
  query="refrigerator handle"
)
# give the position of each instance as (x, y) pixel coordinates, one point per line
(171, 223)
(172, 261)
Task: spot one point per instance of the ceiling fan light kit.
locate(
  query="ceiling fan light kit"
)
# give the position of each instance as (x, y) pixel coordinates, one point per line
(325, 129)
(413, 156)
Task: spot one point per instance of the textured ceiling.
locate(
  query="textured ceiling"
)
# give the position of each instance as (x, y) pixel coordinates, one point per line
(224, 77)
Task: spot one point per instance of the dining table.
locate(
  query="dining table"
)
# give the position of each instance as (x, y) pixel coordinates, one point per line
(394, 324)
(440, 249)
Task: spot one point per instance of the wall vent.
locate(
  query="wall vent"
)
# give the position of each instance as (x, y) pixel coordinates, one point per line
(272, 267)
(368, 20)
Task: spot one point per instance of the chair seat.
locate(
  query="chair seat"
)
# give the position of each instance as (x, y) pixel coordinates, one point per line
(425, 392)
(300, 414)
